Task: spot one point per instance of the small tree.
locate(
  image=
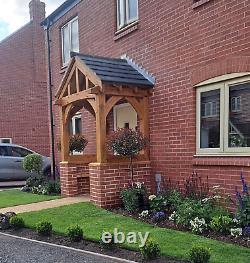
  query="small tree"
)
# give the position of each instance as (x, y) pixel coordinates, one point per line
(33, 163)
(127, 142)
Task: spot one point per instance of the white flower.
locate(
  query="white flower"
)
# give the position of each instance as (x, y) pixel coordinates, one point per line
(236, 221)
(152, 197)
(205, 200)
(173, 217)
(139, 185)
(216, 197)
(236, 232)
(198, 225)
(144, 213)
(216, 187)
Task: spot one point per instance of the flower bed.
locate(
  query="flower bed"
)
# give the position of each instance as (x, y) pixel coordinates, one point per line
(198, 209)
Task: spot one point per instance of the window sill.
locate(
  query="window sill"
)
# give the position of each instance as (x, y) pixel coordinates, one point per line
(126, 30)
(199, 3)
(221, 160)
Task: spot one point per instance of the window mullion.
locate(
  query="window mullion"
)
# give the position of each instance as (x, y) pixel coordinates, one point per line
(126, 9)
(224, 118)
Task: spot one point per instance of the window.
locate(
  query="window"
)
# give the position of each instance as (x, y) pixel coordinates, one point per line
(70, 39)
(223, 117)
(19, 152)
(235, 104)
(5, 140)
(127, 12)
(76, 127)
(3, 151)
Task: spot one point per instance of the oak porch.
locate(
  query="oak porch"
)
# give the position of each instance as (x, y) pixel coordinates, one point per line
(98, 84)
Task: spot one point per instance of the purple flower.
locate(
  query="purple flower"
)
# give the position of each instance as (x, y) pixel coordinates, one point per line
(246, 231)
(239, 198)
(159, 216)
(244, 184)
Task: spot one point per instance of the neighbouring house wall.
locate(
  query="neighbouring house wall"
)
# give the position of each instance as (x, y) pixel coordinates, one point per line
(23, 85)
(181, 47)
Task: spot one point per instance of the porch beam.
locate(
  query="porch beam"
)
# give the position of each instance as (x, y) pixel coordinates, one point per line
(86, 94)
(125, 91)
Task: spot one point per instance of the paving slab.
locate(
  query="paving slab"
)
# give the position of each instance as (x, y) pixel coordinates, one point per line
(45, 205)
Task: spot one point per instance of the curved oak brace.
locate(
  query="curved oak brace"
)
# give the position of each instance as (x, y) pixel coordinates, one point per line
(67, 111)
(92, 103)
(111, 103)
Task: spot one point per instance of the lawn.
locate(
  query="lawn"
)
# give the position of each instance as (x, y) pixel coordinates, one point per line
(16, 197)
(94, 220)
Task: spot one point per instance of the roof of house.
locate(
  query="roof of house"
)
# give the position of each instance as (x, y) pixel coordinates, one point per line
(116, 71)
(59, 12)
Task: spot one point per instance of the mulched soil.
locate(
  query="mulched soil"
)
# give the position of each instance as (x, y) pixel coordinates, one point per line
(241, 241)
(86, 245)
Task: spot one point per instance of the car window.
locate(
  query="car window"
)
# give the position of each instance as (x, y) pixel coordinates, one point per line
(3, 151)
(19, 152)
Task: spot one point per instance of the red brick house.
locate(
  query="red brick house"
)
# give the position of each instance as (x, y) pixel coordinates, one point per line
(199, 54)
(23, 85)
(196, 55)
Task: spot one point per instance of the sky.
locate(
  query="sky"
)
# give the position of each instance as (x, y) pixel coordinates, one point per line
(15, 13)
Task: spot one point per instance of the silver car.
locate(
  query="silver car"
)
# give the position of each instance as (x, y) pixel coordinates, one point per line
(11, 158)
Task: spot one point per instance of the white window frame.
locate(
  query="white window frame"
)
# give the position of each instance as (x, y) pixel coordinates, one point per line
(237, 106)
(2, 139)
(127, 21)
(77, 116)
(69, 24)
(224, 88)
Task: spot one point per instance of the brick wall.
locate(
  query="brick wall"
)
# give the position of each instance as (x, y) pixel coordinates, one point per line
(107, 181)
(23, 88)
(181, 46)
(74, 179)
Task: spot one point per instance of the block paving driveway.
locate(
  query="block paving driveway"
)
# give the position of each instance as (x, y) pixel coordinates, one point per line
(14, 250)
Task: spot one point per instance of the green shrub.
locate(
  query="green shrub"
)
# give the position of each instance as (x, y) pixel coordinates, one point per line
(151, 250)
(17, 222)
(74, 233)
(199, 254)
(33, 163)
(35, 181)
(158, 203)
(52, 187)
(44, 228)
(174, 199)
(190, 209)
(111, 244)
(133, 197)
(221, 224)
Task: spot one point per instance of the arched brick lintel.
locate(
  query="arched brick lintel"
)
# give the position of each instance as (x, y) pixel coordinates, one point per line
(224, 66)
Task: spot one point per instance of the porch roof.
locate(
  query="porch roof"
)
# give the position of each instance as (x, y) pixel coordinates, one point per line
(115, 71)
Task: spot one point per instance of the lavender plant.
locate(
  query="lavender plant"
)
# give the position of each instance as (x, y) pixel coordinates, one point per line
(243, 200)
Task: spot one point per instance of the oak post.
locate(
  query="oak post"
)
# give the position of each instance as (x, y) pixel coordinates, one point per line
(144, 123)
(100, 128)
(64, 135)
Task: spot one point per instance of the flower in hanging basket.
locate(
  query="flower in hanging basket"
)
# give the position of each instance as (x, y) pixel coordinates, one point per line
(77, 143)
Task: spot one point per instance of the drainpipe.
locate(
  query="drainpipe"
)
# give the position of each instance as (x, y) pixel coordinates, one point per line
(51, 115)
